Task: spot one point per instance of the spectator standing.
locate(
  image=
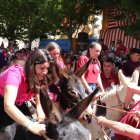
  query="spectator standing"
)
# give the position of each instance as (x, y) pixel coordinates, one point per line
(120, 48)
(91, 78)
(104, 47)
(112, 50)
(112, 46)
(3, 62)
(2, 45)
(130, 65)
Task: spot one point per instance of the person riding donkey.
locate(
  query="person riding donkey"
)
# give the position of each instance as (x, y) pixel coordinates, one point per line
(19, 84)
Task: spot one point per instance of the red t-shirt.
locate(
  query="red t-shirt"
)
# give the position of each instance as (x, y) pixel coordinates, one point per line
(121, 48)
(93, 70)
(108, 82)
(129, 119)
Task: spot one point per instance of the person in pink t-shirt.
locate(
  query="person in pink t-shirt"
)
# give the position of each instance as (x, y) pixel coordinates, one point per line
(54, 50)
(91, 78)
(19, 84)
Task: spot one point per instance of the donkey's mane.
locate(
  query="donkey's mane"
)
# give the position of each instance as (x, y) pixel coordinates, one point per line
(110, 93)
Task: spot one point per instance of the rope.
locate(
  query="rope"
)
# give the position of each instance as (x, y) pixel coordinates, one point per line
(112, 108)
(45, 136)
(103, 131)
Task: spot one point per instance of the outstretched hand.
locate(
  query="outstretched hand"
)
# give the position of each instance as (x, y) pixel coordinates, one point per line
(101, 120)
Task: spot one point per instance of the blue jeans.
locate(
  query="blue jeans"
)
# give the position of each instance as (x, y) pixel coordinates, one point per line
(92, 86)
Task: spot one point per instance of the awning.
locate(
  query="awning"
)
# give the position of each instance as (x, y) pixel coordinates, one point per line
(117, 34)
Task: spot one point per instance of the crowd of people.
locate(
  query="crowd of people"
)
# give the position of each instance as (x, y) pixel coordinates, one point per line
(23, 73)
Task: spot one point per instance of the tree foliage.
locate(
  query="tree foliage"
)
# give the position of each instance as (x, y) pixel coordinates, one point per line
(76, 13)
(132, 6)
(126, 7)
(10, 19)
(28, 19)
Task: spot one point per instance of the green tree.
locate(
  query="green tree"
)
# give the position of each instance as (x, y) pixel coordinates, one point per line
(132, 7)
(41, 17)
(127, 8)
(77, 13)
(10, 20)
(28, 19)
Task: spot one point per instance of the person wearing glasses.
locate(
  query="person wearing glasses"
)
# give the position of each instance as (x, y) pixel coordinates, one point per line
(55, 50)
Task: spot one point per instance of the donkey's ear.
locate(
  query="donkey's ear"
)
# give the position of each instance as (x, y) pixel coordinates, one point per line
(51, 110)
(63, 72)
(83, 69)
(122, 78)
(45, 102)
(76, 111)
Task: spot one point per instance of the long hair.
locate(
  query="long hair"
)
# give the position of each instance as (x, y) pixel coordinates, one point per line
(38, 56)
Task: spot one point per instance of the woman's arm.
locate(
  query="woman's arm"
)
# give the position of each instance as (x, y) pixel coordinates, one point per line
(85, 84)
(10, 94)
(99, 83)
(120, 128)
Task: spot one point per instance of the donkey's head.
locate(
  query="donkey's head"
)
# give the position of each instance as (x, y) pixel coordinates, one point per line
(71, 91)
(64, 126)
(70, 85)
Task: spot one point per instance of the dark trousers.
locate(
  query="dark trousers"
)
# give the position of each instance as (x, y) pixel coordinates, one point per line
(5, 120)
(15, 131)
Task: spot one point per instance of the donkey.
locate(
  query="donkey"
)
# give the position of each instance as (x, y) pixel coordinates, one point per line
(59, 126)
(114, 98)
(65, 126)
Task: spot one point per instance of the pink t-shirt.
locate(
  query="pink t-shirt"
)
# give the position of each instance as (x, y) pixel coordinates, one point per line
(60, 64)
(139, 135)
(93, 70)
(14, 76)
